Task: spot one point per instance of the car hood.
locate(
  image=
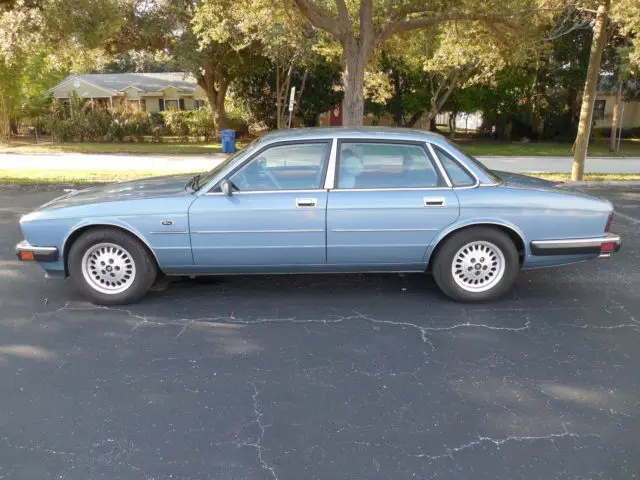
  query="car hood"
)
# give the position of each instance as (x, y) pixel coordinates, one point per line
(155, 187)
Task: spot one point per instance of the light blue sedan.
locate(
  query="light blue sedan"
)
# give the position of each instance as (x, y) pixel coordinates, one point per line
(321, 200)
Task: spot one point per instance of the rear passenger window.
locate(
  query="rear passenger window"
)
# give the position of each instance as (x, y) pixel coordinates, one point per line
(458, 175)
(385, 165)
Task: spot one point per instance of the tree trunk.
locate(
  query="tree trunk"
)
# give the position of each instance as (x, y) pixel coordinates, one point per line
(616, 120)
(355, 57)
(589, 96)
(452, 123)
(216, 97)
(278, 95)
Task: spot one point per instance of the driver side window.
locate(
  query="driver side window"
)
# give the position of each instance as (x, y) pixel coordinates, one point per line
(298, 166)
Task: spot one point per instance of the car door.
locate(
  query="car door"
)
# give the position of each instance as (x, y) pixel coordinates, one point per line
(275, 217)
(390, 201)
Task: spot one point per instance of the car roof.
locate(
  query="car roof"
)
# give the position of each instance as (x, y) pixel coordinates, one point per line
(350, 132)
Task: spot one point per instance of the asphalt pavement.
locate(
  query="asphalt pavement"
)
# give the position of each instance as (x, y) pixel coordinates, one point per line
(323, 377)
(186, 163)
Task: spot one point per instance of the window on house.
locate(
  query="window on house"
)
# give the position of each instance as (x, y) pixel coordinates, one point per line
(198, 104)
(171, 105)
(598, 109)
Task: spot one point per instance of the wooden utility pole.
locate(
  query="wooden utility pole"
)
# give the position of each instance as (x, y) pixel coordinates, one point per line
(615, 119)
(590, 87)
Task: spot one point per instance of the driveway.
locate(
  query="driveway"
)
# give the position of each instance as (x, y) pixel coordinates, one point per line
(324, 377)
(183, 163)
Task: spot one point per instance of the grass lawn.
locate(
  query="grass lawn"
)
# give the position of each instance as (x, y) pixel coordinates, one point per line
(75, 177)
(80, 177)
(173, 148)
(598, 148)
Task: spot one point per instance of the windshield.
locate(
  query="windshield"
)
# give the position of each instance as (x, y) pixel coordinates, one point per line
(202, 179)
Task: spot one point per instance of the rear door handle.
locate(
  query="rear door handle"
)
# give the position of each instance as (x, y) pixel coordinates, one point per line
(434, 201)
(306, 202)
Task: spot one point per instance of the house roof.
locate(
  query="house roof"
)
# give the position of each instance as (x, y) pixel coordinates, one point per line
(144, 82)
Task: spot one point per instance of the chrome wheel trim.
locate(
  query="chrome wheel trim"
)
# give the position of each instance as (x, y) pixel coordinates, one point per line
(478, 266)
(108, 268)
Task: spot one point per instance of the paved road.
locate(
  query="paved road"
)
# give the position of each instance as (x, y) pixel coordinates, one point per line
(324, 377)
(206, 162)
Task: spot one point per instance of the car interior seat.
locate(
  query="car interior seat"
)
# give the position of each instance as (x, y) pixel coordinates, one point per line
(350, 168)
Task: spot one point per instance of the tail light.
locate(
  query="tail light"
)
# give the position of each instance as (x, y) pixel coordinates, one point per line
(607, 227)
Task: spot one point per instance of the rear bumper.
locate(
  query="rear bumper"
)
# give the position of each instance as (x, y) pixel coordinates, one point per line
(27, 252)
(605, 246)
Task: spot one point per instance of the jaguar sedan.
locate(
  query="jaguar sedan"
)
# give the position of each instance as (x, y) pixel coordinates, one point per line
(321, 200)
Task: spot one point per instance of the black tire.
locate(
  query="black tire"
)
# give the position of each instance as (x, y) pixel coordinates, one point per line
(146, 269)
(443, 261)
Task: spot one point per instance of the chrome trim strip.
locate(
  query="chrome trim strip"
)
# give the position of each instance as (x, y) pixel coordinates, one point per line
(443, 172)
(330, 178)
(577, 242)
(262, 192)
(25, 246)
(343, 230)
(168, 233)
(213, 232)
(398, 189)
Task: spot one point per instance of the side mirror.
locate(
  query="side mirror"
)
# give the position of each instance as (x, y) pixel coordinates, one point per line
(226, 187)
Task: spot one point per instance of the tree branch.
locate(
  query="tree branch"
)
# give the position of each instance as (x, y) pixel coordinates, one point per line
(344, 22)
(366, 22)
(416, 23)
(318, 17)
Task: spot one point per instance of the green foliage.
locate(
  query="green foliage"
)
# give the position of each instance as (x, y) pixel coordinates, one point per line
(257, 92)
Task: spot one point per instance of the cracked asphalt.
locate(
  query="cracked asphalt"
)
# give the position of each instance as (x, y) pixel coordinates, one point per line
(323, 377)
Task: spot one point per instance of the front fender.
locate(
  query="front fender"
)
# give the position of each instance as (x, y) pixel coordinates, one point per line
(106, 222)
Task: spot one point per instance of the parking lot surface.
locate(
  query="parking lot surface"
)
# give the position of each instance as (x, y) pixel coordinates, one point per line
(323, 377)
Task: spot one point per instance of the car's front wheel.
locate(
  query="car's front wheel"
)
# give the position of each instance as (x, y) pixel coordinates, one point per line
(476, 264)
(110, 267)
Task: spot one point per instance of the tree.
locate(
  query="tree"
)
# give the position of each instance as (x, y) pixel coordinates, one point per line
(589, 95)
(270, 29)
(379, 21)
(257, 92)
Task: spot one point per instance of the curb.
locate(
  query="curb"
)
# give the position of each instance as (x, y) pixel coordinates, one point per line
(602, 183)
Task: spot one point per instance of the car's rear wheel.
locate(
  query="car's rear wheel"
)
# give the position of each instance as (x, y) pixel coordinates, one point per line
(476, 264)
(111, 267)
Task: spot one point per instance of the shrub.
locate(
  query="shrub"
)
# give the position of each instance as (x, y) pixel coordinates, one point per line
(201, 124)
(132, 124)
(177, 123)
(238, 124)
(96, 125)
(61, 129)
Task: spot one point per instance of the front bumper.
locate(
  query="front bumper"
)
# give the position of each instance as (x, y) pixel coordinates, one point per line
(605, 246)
(27, 252)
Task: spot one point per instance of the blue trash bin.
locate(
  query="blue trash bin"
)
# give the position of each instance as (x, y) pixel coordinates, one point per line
(228, 139)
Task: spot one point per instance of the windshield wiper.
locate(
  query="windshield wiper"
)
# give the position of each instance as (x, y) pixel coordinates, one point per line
(193, 183)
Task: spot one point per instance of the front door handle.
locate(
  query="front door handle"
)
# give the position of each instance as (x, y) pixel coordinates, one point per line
(434, 201)
(306, 202)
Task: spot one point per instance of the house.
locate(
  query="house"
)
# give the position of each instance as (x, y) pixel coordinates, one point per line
(603, 111)
(151, 92)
